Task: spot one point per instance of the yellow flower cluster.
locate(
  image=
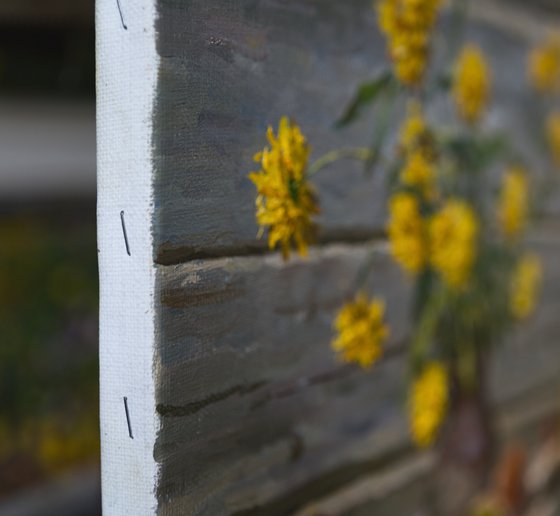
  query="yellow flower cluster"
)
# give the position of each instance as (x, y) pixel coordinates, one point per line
(553, 136)
(414, 131)
(407, 232)
(285, 202)
(544, 66)
(453, 239)
(408, 24)
(472, 84)
(514, 203)
(428, 403)
(525, 286)
(448, 241)
(361, 331)
(415, 145)
(419, 173)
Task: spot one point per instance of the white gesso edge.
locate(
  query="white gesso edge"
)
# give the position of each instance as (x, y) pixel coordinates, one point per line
(127, 64)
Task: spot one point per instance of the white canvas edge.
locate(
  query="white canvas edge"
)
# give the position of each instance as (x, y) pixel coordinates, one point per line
(127, 65)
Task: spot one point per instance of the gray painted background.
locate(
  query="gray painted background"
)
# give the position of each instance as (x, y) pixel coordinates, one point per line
(257, 416)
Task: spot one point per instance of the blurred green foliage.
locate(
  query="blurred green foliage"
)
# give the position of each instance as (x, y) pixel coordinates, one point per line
(48, 354)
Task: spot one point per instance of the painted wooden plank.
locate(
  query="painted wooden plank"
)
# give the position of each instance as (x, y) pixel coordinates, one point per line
(532, 354)
(255, 413)
(402, 488)
(249, 383)
(229, 69)
(405, 487)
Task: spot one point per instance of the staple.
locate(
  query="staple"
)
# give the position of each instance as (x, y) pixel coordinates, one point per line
(124, 233)
(121, 14)
(125, 399)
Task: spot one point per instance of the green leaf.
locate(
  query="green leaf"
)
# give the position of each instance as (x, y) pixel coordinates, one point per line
(491, 148)
(383, 124)
(367, 93)
(477, 153)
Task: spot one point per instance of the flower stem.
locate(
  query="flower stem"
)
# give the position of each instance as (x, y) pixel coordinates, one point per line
(359, 153)
(364, 271)
(427, 326)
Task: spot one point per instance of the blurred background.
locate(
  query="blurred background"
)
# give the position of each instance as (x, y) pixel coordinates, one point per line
(49, 442)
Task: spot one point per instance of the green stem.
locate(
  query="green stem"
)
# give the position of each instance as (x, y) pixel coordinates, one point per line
(427, 326)
(454, 38)
(364, 271)
(359, 153)
(458, 28)
(467, 368)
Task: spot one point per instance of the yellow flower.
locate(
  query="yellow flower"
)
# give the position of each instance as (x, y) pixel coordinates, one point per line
(525, 285)
(415, 134)
(453, 240)
(285, 201)
(513, 206)
(544, 66)
(553, 136)
(419, 173)
(361, 331)
(407, 232)
(472, 84)
(407, 24)
(428, 403)
(416, 147)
